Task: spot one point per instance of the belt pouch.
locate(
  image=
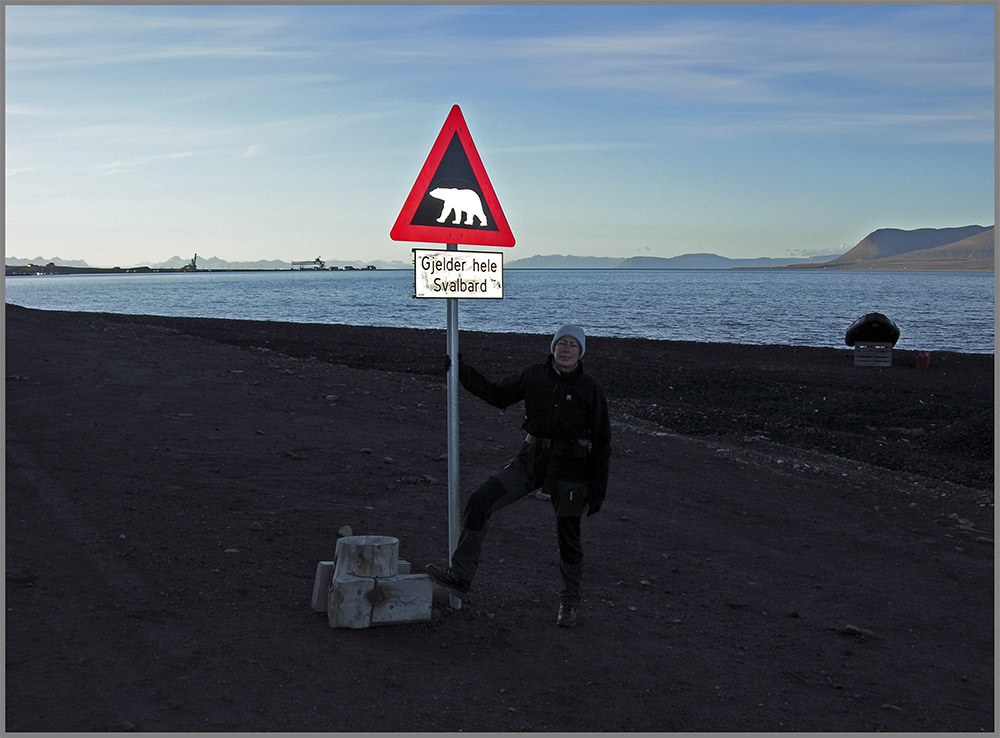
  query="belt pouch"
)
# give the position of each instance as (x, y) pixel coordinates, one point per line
(569, 498)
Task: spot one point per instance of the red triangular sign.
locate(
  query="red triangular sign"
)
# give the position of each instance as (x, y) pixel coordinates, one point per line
(452, 200)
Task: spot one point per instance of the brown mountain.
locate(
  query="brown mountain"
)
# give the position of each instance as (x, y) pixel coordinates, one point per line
(966, 248)
(975, 252)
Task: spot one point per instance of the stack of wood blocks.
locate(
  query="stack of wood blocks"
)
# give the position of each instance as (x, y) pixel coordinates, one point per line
(366, 584)
(870, 353)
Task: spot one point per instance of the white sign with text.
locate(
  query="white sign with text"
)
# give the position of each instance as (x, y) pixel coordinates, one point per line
(457, 274)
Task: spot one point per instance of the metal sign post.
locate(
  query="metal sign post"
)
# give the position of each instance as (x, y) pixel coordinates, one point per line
(453, 202)
(439, 275)
(454, 524)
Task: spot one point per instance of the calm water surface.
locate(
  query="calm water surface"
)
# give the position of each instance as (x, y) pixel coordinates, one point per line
(935, 311)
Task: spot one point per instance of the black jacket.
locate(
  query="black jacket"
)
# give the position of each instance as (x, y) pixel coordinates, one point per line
(557, 406)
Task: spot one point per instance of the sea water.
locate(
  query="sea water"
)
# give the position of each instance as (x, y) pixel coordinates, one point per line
(935, 311)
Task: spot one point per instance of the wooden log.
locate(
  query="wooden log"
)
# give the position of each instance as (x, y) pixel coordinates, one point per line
(401, 599)
(367, 556)
(348, 605)
(358, 602)
(367, 588)
(321, 586)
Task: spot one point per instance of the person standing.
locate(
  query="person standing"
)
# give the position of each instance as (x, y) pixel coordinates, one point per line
(565, 454)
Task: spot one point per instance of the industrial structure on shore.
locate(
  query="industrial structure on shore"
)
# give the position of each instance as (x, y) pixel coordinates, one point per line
(316, 264)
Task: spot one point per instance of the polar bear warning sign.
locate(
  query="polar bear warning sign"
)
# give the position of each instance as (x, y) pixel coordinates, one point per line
(452, 200)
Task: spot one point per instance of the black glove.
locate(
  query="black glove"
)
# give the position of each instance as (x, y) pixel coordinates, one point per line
(594, 504)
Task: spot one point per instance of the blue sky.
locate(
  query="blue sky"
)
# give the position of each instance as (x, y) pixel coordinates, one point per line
(136, 133)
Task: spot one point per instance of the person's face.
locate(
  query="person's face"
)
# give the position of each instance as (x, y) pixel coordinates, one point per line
(567, 353)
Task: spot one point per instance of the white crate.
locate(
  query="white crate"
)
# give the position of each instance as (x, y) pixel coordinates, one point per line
(872, 354)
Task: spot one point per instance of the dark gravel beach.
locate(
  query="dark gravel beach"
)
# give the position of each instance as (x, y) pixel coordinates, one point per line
(790, 543)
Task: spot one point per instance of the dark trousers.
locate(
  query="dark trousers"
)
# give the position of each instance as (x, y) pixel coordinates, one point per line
(521, 476)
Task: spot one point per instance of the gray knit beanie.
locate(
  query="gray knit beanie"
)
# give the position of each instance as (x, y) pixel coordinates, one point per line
(573, 331)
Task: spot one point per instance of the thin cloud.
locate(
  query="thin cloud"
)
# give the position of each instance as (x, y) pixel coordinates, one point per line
(117, 167)
(11, 172)
(251, 152)
(22, 59)
(802, 69)
(748, 58)
(580, 147)
(49, 38)
(973, 127)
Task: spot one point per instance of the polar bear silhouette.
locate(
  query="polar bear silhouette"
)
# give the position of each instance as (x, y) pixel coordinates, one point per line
(459, 202)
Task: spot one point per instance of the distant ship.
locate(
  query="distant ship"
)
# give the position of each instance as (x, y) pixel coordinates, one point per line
(316, 263)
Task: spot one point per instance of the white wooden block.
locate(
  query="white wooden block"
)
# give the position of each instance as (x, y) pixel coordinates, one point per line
(348, 605)
(321, 586)
(403, 567)
(872, 354)
(401, 599)
(367, 556)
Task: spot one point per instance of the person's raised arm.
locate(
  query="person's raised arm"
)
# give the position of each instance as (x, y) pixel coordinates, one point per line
(499, 394)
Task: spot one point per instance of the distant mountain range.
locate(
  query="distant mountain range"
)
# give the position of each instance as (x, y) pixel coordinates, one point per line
(41, 260)
(212, 263)
(968, 248)
(685, 261)
(714, 261)
(558, 261)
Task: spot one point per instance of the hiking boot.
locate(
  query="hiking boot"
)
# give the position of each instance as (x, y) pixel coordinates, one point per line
(567, 616)
(445, 578)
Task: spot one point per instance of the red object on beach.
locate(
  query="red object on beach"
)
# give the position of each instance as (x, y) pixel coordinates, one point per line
(923, 359)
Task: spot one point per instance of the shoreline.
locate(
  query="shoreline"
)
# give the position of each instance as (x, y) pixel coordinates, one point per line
(32, 270)
(900, 356)
(936, 421)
